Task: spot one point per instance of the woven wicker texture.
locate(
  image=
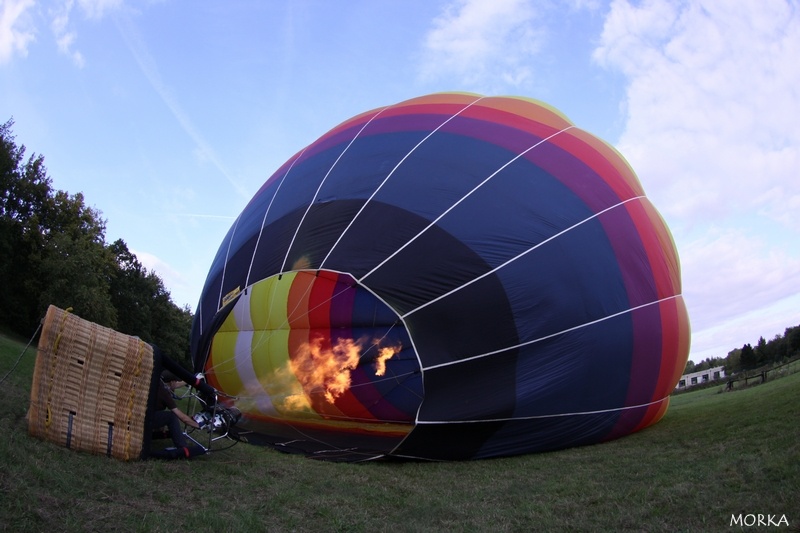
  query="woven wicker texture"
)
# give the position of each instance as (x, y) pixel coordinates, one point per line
(90, 387)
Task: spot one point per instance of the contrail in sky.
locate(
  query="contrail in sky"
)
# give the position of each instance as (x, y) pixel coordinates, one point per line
(148, 67)
(200, 215)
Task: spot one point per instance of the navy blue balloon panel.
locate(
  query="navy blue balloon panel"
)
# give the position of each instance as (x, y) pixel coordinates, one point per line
(449, 277)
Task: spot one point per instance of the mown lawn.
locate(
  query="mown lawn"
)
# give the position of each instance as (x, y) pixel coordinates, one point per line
(715, 455)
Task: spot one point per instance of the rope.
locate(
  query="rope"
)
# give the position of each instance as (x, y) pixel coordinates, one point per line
(23, 353)
(137, 371)
(53, 362)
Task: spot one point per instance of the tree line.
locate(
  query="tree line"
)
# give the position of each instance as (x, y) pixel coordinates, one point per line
(780, 348)
(53, 250)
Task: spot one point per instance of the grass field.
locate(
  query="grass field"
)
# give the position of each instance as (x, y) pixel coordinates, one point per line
(713, 457)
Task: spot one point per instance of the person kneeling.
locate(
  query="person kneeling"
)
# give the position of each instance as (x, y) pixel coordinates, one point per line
(167, 413)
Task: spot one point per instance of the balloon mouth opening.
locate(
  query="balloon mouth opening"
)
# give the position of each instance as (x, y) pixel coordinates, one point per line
(314, 347)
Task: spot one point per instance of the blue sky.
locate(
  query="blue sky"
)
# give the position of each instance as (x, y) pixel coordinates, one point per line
(169, 115)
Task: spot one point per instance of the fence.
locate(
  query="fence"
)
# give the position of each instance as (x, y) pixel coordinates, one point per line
(756, 377)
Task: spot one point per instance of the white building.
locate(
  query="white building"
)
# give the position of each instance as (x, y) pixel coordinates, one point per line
(703, 376)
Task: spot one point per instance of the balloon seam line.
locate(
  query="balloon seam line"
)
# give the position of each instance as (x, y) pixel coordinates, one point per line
(585, 324)
(266, 214)
(225, 265)
(322, 182)
(389, 175)
(553, 415)
(463, 198)
(513, 259)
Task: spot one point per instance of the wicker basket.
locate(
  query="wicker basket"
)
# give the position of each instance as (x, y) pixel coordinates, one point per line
(91, 386)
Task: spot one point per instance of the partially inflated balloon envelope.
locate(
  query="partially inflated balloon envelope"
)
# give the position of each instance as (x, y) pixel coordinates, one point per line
(450, 277)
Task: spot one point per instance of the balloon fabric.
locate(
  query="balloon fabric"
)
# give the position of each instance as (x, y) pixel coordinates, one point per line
(450, 277)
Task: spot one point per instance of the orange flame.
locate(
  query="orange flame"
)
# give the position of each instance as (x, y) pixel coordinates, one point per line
(384, 354)
(329, 369)
(286, 393)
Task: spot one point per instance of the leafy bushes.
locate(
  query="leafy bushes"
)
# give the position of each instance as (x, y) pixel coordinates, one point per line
(53, 251)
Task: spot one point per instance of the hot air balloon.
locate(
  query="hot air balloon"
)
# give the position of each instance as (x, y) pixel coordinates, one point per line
(450, 277)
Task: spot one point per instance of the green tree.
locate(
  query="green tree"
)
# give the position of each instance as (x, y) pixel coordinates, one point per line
(792, 336)
(748, 357)
(76, 266)
(763, 352)
(171, 324)
(25, 193)
(53, 251)
(77, 273)
(145, 308)
(131, 292)
(778, 348)
(25, 188)
(733, 361)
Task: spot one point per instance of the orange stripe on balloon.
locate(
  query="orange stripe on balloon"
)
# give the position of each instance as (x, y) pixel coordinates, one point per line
(298, 300)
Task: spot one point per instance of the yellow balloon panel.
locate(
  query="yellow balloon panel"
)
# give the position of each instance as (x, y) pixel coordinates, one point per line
(273, 369)
(268, 303)
(223, 362)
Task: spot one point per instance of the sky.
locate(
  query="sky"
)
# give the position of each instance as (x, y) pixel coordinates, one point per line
(168, 116)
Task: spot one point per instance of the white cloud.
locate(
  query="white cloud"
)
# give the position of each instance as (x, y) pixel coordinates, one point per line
(62, 24)
(712, 104)
(483, 43)
(16, 30)
(65, 38)
(746, 328)
(96, 9)
(727, 273)
(169, 275)
(712, 101)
